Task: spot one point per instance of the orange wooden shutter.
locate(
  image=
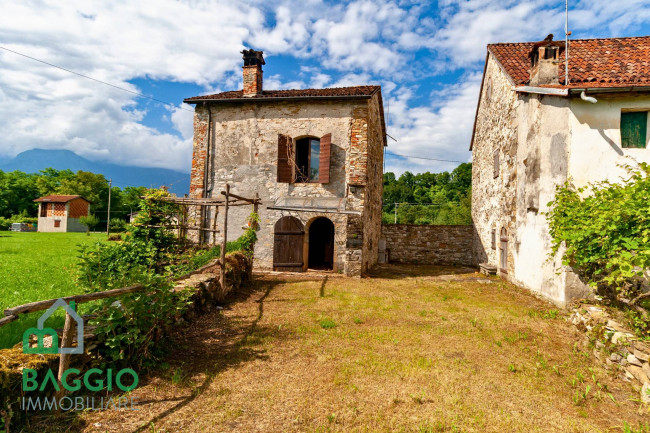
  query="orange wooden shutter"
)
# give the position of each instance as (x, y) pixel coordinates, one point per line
(285, 172)
(324, 164)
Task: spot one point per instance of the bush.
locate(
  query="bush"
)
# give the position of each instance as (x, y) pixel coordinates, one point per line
(90, 221)
(117, 225)
(605, 230)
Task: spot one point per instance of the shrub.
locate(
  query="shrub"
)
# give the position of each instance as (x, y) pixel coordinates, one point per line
(117, 225)
(605, 230)
(90, 221)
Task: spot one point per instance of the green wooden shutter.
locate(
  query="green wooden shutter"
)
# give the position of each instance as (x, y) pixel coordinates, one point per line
(634, 127)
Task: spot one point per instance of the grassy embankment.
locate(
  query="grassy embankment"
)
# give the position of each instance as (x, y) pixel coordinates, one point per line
(33, 267)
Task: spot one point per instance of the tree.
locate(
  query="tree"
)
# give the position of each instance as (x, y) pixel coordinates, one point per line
(429, 198)
(90, 221)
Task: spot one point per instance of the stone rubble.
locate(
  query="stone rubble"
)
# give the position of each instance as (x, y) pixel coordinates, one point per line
(622, 349)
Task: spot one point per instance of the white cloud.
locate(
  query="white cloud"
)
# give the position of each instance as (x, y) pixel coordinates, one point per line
(440, 130)
(199, 41)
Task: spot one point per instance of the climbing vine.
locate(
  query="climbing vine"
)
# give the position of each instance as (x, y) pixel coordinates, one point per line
(604, 233)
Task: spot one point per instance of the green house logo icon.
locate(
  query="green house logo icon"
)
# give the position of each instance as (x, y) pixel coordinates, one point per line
(41, 332)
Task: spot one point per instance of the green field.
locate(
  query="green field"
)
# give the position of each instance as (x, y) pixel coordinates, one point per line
(33, 267)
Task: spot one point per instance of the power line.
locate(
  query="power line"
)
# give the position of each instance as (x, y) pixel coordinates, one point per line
(421, 157)
(95, 79)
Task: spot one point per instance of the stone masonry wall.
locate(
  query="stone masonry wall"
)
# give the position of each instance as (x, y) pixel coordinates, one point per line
(493, 199)
(374, 184)
(429, 244)
(243, 153)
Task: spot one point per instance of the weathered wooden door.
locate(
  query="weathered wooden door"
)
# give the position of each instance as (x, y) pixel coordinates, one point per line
(503, 251)
(288, 241)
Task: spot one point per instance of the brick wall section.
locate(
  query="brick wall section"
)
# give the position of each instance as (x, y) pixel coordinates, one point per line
(427, 244)
(374, 159)
(252, 80)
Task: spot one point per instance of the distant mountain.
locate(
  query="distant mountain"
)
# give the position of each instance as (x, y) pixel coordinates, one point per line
(35, 160)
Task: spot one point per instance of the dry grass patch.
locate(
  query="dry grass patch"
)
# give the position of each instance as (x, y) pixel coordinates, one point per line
(412, 349)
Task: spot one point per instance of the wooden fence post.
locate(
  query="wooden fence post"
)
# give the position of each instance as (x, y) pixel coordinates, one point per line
(224, 241)
(214, 225)
(69, 330)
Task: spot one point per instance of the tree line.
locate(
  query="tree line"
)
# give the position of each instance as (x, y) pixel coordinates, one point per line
(424, 198)
(18, 191)
(429, 198)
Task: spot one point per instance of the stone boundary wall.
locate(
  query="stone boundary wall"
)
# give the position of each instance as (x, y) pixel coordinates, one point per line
(615, 346)
(429, 244)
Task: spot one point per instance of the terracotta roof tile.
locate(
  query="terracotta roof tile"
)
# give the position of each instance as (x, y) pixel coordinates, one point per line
(333, 92)
(614, 62)
(58, 198)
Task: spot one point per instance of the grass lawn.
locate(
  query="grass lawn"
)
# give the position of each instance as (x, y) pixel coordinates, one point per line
(413, 349)
(33, 267)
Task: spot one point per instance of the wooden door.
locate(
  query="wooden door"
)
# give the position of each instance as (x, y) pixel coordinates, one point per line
(503, 251)
(288, 241)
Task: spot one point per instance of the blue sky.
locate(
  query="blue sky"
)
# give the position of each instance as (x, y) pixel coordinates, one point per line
(428, 57)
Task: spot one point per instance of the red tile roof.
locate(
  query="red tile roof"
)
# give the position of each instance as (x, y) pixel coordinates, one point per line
(333, 93)
(59, 198)
(614, 62)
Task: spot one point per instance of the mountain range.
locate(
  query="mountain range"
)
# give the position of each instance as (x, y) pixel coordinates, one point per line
(32, 161)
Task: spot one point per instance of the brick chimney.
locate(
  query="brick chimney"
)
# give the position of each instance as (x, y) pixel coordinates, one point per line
(253, 61)
(545, 61)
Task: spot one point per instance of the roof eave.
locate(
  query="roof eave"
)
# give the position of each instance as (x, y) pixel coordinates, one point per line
(277, 98)
(542, 90)
(625, 89)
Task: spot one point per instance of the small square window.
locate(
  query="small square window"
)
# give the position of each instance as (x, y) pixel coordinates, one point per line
(57, 223)
(634, 129)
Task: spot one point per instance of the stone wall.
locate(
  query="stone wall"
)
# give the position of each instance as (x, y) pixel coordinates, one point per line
(617, 347)
(530, 135)
(374, 184)
(495, 132)
(429, 244)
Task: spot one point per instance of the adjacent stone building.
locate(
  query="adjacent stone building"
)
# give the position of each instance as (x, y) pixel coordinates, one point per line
(61, 213)
(315, 159)
(534, 130)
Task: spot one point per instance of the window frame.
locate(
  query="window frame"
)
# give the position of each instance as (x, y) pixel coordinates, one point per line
(625, 139)
(299, 176)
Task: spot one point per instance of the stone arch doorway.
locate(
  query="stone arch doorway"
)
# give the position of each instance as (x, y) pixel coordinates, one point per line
(321, 244)
(288, 238)
(503, 251)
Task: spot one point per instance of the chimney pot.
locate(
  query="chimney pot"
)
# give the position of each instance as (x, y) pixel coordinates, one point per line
(252, 71)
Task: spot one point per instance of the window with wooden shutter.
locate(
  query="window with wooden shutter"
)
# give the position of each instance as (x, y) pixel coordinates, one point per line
(285, 167)
(634, 129)
(496, 164)
(325, 156)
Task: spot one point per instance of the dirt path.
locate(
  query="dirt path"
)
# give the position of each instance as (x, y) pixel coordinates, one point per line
(411, 349)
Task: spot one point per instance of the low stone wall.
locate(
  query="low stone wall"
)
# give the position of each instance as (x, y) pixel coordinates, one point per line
(615, 346)
(429, 244)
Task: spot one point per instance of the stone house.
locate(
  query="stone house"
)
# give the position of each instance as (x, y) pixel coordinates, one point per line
(315, 159)
(535, 129)
(61, 213)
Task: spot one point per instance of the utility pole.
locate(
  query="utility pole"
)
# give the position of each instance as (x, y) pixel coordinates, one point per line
(567, 33)
(108, 215)
(396, 213)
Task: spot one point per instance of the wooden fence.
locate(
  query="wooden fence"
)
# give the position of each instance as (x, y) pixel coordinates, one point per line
(229, 199)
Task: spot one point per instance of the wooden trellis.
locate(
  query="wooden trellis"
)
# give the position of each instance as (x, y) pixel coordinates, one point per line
(194, 215)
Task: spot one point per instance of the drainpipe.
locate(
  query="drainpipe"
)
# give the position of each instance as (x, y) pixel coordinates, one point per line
(584, 97)
(205, 212)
